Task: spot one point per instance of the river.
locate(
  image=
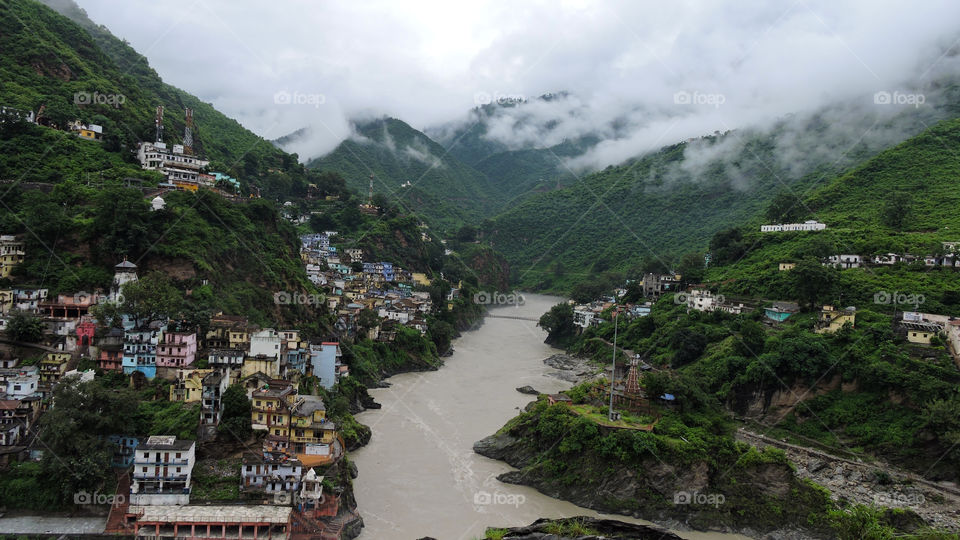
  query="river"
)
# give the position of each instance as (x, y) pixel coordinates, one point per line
(419, 475)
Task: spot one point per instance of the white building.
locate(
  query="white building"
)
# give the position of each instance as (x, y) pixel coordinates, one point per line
(28, 299)
(273, 472)
(583, 316)
(162, 469)
(23, 383)
(809, 225)
(265, 342)
(174, 164)
(844, 261)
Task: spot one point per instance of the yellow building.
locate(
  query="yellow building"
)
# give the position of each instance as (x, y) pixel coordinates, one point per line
(832, 319)
(270, 411)
(787, 266)
(53, 365)
(11, 254)
(6, 300)
(311, 434)
(240, 339)
(186, 186)
(188, 386)
(920, 328)
(268, 365)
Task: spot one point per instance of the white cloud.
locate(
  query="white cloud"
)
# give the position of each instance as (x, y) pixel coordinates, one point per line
(426, 62)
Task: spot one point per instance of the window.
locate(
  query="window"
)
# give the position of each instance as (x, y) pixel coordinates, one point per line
(178, 469)
(249, 468)
(144, 469)
(178, 454)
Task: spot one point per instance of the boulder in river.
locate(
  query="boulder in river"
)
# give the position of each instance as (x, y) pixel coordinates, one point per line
(528, 390)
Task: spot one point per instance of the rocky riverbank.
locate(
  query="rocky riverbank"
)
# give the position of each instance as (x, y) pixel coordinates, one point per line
(573, 369)
(585, 528)
(757, 495)
(870, 483)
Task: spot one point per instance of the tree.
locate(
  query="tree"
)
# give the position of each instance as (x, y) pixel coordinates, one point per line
(587, 291)
(151, 298)
(752, 339)
(689, 344)
(467, 233)
(727, 246)
(558, 322)
(235, 422)
(367, 319)
(120, 222)
(897, 210)
(785, 208)
(812, 282)
(691, 268)
(656, 383)
(74, 434)
(25, 327)
(107, 315)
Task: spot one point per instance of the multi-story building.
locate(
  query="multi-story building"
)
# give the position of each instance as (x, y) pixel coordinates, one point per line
(177, 350)
(214, 385)
(272, 472)
(844, 261)
(187, 385)
(221, 326)
(140, 349)
(261, 363)
(311, 435)
(270, 410)
(124, 450)
(162, 468)
(324, 360)
(52, 366)
(110, 357)
(655, 285)
(22, 382)
(832, 319)
(174, 163)
(226, 361)
(265, 342)
(27, 299)
(11, 254)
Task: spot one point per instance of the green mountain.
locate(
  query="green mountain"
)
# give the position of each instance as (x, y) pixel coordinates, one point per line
(76, 70)
(413, 172)
(903, 200)
(650, 211)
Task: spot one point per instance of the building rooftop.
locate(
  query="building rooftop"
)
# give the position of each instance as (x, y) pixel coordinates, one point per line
(260, 513)
(308, 404)
(166, 442)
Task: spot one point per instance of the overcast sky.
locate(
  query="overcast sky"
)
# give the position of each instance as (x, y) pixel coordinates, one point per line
(285, 64)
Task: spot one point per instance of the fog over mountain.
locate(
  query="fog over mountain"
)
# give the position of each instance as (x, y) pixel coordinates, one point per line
(637, 75)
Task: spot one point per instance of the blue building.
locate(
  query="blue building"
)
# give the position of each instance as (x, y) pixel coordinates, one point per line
(781, 311)
(140, 349)
(324, 361)
(124, 450)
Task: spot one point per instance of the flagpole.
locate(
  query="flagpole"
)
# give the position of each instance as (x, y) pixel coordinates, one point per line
(613, 365)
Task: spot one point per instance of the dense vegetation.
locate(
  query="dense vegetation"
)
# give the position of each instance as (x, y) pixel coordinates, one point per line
(445, 191)
(59, 64)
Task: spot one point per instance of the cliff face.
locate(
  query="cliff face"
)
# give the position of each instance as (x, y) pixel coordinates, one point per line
(731, 489)
(581, 528)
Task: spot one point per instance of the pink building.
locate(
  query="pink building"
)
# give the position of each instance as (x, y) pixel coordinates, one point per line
(177, 350)
(85, 331)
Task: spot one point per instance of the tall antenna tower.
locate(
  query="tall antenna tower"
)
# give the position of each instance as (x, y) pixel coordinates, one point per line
(159, 123)
(370, 193)
(188, 133)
